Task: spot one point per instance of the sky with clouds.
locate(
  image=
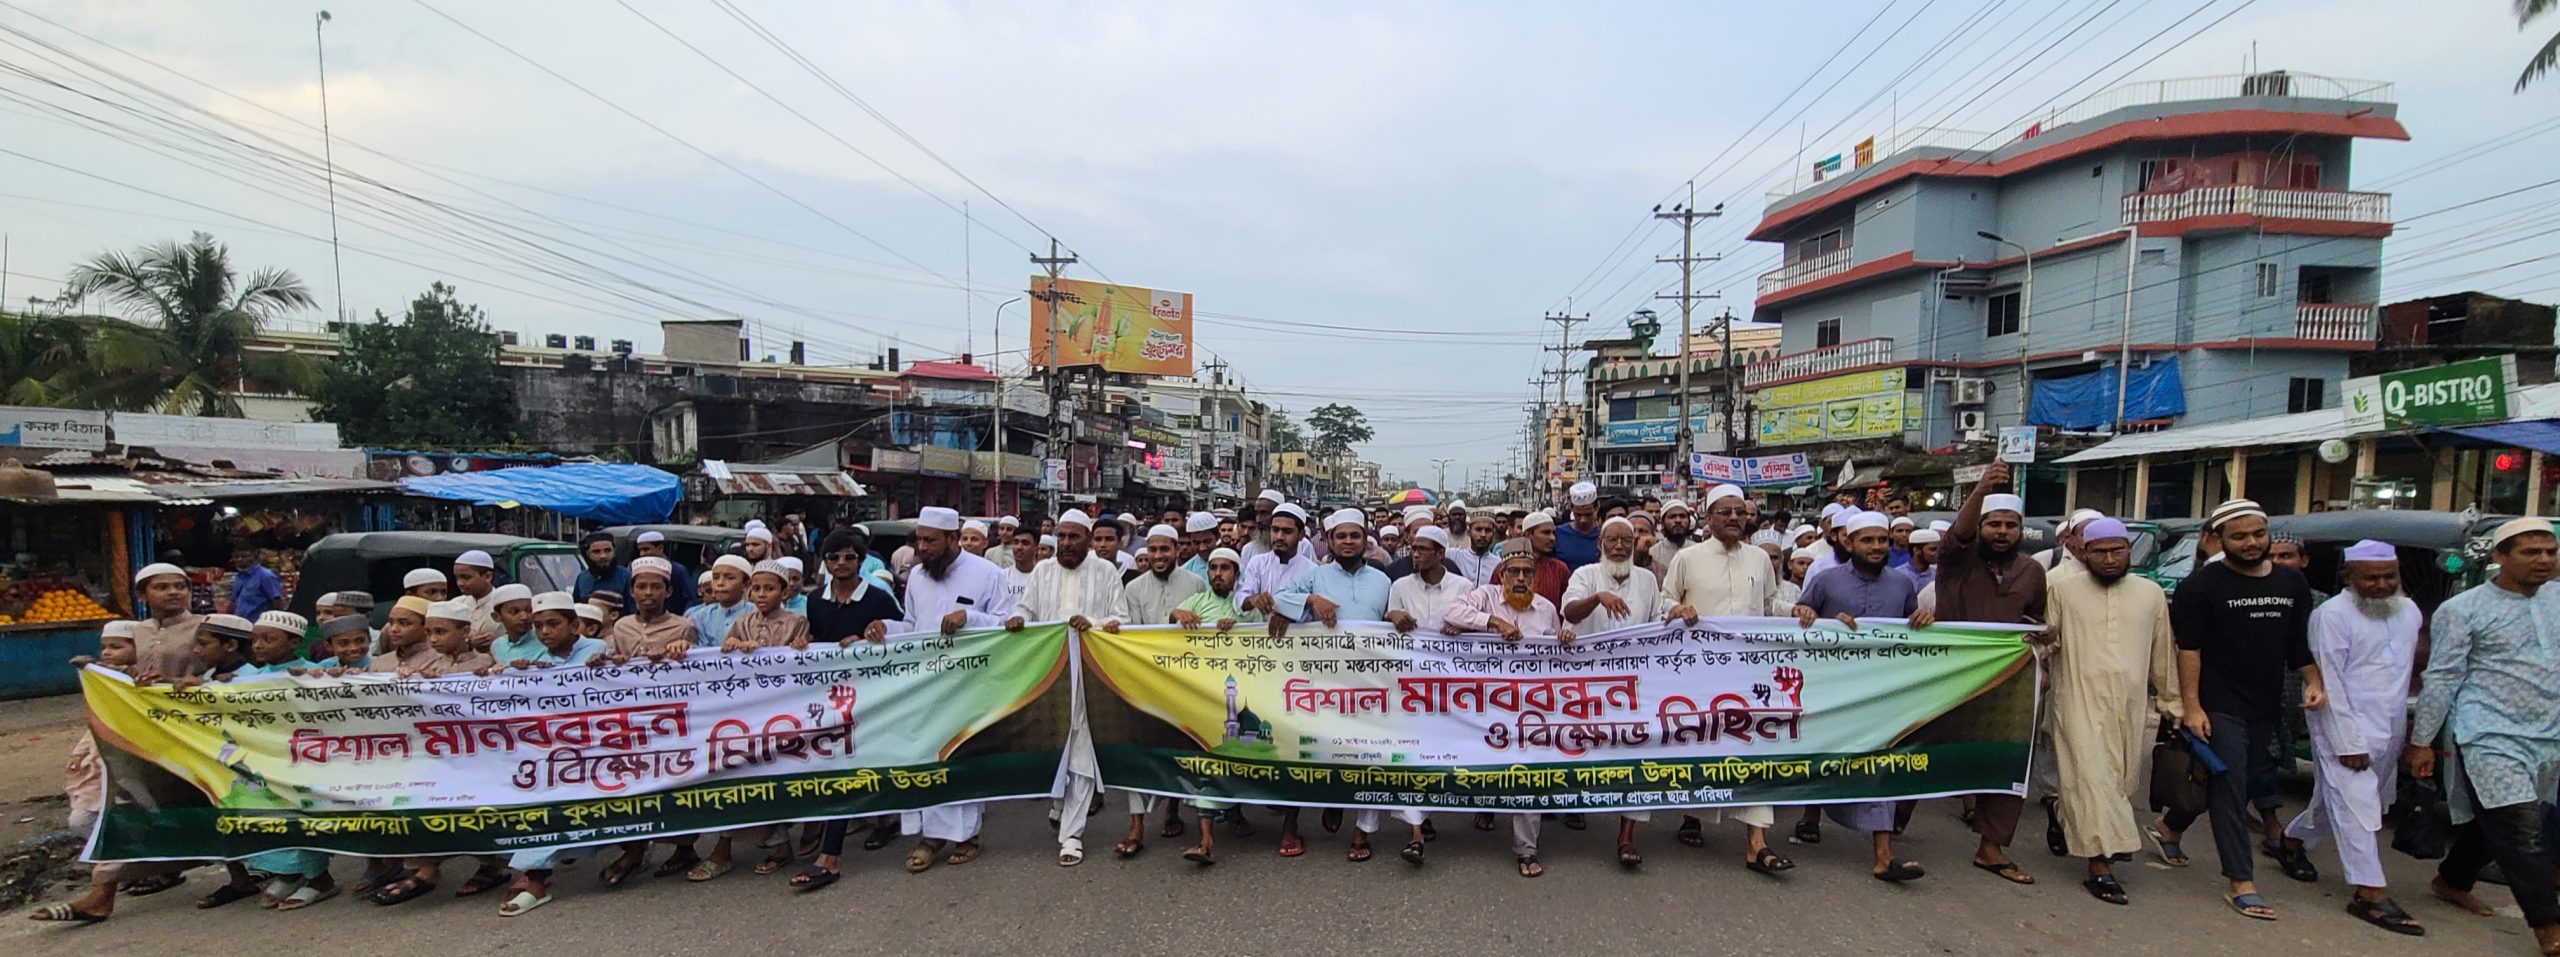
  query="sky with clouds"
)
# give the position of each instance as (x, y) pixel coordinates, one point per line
(1373, 203)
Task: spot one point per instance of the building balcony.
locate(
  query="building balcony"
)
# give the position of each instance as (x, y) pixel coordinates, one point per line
(2334, 322)
(1806, 270)
(2258, 202)
(1818, 362)
(1639, 479)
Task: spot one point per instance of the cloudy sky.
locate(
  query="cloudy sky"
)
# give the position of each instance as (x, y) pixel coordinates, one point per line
(1373, 203)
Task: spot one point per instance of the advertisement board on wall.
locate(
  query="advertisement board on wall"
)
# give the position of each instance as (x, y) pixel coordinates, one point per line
(21, 426)
(1856, 406)
(1122, 329)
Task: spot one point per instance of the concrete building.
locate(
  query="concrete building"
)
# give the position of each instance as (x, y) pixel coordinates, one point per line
(2165, 255)
(1634, 398)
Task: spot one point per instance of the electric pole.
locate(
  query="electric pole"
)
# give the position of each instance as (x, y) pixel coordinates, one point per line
(1689, 215)
(1443, 486)
(1564, 349)
(1050, 383)
(1217, 411)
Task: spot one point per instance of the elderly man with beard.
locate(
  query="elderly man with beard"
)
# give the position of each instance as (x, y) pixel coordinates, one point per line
(950, 590)
(1081, 587)
(1982, 577)
(1346, 588)
(1863, 588)
(1511, 609)
(2365, 643)
(1724, 576)
(2486, 701)
(1674, 536)
(1614, 593)
(2114, 672)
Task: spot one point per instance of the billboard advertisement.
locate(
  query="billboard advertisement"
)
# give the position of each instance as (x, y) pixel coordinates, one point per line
(1119, 328)
(1856, 406)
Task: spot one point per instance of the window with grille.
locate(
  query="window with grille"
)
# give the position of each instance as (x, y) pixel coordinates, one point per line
(2003, 316)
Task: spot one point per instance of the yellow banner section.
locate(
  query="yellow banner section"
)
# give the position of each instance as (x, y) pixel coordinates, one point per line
(1857, 385)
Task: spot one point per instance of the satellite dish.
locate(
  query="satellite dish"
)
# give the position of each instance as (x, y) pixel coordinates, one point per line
(2334, 451)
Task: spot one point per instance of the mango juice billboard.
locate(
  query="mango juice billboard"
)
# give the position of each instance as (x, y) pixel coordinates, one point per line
(1120, 328)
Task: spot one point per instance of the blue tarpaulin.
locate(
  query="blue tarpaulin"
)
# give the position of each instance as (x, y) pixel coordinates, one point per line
(599, 492)
(2541, 435)
(2088, 401)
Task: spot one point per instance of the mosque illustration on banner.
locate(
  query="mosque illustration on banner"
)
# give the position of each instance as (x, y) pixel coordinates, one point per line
(1247, 734)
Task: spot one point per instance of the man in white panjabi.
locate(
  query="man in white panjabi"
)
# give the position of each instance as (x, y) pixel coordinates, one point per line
(1083, 590)
(1719, 577)
(948, 591)
(2113, 672)
(2365, 640)
(1614, 593)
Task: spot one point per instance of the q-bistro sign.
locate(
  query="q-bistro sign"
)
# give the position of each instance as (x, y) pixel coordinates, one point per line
(2458, 393)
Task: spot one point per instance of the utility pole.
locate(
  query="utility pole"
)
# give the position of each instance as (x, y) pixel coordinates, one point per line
(329, 161)
(1564, 349)
(1051, 381)
(1732, 387)
(1216, 411)
(1688, 215)
(1443, 486)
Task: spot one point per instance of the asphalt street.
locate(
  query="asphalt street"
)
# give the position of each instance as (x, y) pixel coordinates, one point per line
(1015, 900)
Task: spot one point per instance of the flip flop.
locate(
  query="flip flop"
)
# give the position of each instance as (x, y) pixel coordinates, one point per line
(962, 853)
(921, 859)
(1199, 856)
(64, 914)
(1361, 853)
(709, 871)
(1627, 856)
(1412, 853)
(615, 873)
(2251, 906)
(402, 891)
(886, 834)
(2296, 863)
(1693, 832)
(1292, 847)
(1529, 866)
(1332, 820)
(2007, 871)
(227, 894)
(1767, 861)
(1900, 871)
(2170, 852)
(305, 896)
(485, 880)
(523, 901)
(1807, 832)
(1128, 849)
(2385, 914)
(2105, 887)
(814, 878)
(779, 859)
(678, 864)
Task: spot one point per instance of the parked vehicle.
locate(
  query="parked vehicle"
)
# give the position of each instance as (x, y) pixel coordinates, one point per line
(374, 562)
(694, 545)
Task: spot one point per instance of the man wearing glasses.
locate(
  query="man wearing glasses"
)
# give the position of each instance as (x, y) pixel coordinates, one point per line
(1719, 577)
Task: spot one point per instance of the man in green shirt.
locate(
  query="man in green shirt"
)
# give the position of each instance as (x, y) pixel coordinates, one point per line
(1216, 607)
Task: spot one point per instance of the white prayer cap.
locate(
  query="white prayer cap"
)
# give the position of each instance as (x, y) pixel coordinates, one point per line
(157, 569)
(1535, 519)
(1390, 531)
(735, 563)
(1432, 534)
(1583, 493)
(2078, 518)
(1223, 515)
(1128, 519)
(119, 628)
(773, 568)
(1292, 510)
(1801, 531)
(1048, 541)
(1074, 516)
(1864, 521)
(1925, 536)
(1273, 496)
(938, 517)
(1164, 531)
(2004, 502)
(476, 559)
(2521, 526)
(555, 601)
(1414, 512)
(1722, 492)
(792, 564)
(1225, 554)
(284, 621)
(2372, 551)
(1942, 526)
(451, 609)
(702, 580)
(1905, 522)
(1832, 510)
(232, 625)
(764, 535)
(1675, 505)
(754, 523)
(2235, 508)
(974, 525)
(2101, 528)
(1200, 522)
(1618, 520)
(589, 611)
(1008, 522)
(1768, 536)
(649, 538)
(1456, 505)
(509, 592)
(1345, 516)
(652, 565)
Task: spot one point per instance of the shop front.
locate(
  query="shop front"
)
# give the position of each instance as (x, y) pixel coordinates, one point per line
(69, 563)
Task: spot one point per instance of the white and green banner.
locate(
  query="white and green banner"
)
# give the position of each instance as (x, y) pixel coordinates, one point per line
(1730, 711)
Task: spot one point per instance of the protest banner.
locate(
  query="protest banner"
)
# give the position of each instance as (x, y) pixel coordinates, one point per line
(380, 765)
(1732, 711)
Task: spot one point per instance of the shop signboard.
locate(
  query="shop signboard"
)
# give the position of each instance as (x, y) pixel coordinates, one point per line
(1855, 406)
(194, 431)
(24, 427)
(893, 460)
(1705, 429)
(1756, 470)
(1053, 474)
(1120, 328)
(936, 460)
(2457, 393)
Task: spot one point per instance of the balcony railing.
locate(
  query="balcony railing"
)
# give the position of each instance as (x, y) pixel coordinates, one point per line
(1829, 359)
(1805, 270)
(2337, 206)
(2334, 322)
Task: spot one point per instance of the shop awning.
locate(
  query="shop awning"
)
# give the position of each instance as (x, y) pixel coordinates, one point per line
(2299, 427)
(600, 492)
(197, 493)
(2540, 435)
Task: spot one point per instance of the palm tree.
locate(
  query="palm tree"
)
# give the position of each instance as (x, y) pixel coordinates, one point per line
(2543, 62)
(40, 359)
(186, 352)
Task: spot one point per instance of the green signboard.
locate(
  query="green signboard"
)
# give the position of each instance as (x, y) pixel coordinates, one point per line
(2457, 393)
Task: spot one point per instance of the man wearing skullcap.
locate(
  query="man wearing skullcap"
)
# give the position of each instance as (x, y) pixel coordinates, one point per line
(2365, 643)
(426, 583)
(1900, 529)
(2065, 552)
(1862, 587)
(1161, 584)
(1612, 592)
(601, 569)
(1923, 567)
(2113, 669)
(165, 643)
(2485, 716)
(724, 600)
(1283, 560)
(1416, 602)
(1678, 525)
(2241, 624)
(1539, 528)
(1199, 536)
(1983, 576)
(475, 576)
(1578, 538)
(1082, 588)
(1265, 506)
(1512, 609)
(680, 579)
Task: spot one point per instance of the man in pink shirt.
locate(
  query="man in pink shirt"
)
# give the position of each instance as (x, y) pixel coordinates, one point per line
(1511, 607)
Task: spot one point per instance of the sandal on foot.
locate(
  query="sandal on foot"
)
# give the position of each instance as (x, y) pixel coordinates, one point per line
(1332, 819)
(1693, 832)
(150, 885)
(2250, 905)
(1199, 855)
(1412, 853)
(2007, 871)
(1128, 849)
(1807, 832)
(922, 858)
(2296, 863)
(402, 891)
(522, 902)
(887, 834)
(1767, 861)
(2105, 887)
(64, 914)
(2385, 914)
(1900, 871)
(1627, 856)
(227, 894)
(814, 878)
(2053, 837)
(962, 853)
(779, 859)
(1484, 822)
(1172, 828)
(305, 896)
(1292, 847)
(679, 864)
(1070, 853)
(709, 871)
(1360, 853)
(1529, 866)
(1429, 833)
(276, 889)
(2170, 853)
(619, 871)
(485, 880)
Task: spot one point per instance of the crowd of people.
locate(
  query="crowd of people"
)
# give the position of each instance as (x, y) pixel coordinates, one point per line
(2247, 647)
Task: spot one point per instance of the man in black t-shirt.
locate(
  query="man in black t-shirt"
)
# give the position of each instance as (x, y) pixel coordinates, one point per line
(2241, 624)
(850, 602)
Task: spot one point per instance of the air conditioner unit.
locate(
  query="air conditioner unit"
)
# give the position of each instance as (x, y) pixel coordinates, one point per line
(1971, 423)
(1970, 392)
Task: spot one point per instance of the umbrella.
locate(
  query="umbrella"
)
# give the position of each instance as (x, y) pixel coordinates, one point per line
(1411, 496)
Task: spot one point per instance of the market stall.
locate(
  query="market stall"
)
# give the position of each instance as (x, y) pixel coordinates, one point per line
(202, 524)
(65, 561)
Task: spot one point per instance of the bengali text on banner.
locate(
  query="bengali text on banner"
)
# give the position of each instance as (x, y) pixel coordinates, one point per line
(1731, 711)
(378, 765)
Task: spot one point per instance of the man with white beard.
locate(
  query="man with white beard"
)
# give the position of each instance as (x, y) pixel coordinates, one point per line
(1083, 589)
(1614, 593)
(2365, 640)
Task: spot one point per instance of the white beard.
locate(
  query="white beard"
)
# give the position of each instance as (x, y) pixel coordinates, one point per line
(2380, 609)
(1618, 569)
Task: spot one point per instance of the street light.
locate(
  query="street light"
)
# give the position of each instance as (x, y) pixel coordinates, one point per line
(2026, 314)
(329, 161)
(995, 413)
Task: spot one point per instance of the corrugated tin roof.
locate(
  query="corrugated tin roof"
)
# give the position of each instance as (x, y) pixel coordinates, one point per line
(2531, 403)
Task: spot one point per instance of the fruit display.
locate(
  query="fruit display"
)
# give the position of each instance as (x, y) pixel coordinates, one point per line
(60, 605)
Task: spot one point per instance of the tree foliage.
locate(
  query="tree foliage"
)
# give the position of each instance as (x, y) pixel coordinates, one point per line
(186, 349)
(1284, 435)
(428, 381)
(2549, 56)
(1338, 427)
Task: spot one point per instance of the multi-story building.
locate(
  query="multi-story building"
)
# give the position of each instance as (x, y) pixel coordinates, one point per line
(1561, 449)
(2172, 253)
(1634, 398)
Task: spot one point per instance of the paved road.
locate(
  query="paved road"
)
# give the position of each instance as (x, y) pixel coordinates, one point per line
(1016, 901)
